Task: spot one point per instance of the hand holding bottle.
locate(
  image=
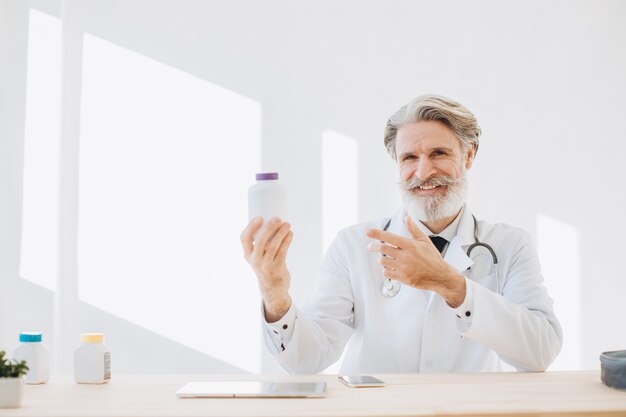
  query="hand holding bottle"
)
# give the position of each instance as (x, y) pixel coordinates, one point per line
(265, 246)
(266, 240)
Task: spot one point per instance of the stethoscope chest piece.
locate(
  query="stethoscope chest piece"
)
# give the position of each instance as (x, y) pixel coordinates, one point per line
(390, 287)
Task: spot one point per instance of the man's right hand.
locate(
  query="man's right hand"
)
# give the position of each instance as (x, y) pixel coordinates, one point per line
(265, 246)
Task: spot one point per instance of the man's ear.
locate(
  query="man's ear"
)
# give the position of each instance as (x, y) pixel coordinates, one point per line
(469, 156)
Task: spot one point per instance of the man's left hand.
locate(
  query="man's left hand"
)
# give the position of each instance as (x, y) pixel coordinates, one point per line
(417, 262)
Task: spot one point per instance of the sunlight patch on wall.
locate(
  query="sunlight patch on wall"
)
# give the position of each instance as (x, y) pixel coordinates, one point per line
(38, 261)
(165, 162)
(558, 245)
(340, 184)
(340, 192)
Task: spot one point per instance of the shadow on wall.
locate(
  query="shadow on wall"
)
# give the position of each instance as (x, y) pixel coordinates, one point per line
(133, 348)
(139, 351)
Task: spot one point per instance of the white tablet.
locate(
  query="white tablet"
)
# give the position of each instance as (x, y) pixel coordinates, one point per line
(251, 389)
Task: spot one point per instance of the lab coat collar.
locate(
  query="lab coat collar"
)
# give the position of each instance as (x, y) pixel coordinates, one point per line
(465, 233)
(455, 255)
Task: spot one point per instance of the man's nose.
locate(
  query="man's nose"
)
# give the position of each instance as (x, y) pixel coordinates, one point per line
(425, 169)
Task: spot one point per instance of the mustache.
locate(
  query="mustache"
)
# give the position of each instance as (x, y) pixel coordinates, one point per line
(415, 182)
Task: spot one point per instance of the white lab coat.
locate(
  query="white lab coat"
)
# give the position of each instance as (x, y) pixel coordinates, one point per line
(417, 331)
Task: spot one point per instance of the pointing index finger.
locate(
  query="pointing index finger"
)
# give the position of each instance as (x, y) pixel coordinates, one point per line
(387, 237)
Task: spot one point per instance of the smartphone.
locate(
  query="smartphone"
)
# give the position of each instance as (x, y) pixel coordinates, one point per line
(362, 381)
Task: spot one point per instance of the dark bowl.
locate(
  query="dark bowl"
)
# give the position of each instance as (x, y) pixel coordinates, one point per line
(614, 368)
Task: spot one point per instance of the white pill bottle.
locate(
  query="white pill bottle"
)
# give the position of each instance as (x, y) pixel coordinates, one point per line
(267, 198)
(92, 360)
(32, 350)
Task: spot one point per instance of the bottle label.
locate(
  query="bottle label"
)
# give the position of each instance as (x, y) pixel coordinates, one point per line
(107, 365)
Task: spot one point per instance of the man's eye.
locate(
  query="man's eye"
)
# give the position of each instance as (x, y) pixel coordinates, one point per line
(439, 153)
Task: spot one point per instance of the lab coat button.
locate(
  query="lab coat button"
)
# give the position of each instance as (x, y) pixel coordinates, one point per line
(468, 313)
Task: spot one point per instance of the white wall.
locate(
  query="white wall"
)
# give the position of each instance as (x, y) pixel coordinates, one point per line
(545, 80)
(13, 297)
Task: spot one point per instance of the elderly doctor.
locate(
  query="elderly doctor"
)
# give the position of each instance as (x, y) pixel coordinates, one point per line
(401, 294)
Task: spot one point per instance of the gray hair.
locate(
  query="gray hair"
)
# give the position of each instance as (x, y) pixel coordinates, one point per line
(432, 107)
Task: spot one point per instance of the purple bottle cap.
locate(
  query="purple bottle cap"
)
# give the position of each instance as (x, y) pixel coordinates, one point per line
(264, 176)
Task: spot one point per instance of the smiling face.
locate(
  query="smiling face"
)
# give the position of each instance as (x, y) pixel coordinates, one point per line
(432, 168)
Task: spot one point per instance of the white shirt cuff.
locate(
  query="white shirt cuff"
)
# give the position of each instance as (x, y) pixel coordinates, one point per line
(281, 331)
(465, 312)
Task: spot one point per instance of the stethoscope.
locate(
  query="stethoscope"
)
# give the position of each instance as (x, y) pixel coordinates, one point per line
(390, 287)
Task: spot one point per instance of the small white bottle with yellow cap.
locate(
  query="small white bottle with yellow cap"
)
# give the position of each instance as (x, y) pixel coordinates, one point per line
(92, 360)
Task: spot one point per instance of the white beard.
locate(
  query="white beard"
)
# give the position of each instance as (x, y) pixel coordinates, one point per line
(436, 207)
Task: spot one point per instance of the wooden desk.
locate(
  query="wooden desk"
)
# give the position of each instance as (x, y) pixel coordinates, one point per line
(524, 394)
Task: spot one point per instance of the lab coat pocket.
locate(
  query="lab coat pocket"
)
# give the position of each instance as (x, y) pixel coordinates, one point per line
(483, 270)
(483, 263)
(488, 281)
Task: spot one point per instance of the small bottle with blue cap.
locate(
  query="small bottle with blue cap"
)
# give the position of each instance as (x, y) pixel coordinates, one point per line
(32, 350)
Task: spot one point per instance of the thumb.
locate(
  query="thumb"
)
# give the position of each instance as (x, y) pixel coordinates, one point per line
(414, 230)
